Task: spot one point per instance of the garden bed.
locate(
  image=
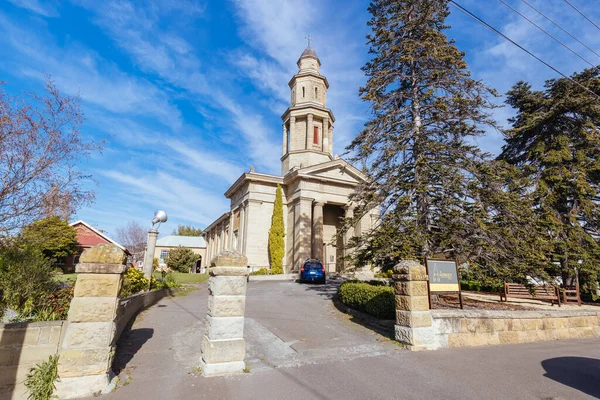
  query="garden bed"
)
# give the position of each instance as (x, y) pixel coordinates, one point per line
(450, 301)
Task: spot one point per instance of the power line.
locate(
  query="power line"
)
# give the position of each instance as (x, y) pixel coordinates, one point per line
(582, 14)
(546, 32)
(475, 17)
(561, 28)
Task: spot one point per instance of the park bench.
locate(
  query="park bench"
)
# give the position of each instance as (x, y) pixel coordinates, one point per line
(570, 294)
(538, 292)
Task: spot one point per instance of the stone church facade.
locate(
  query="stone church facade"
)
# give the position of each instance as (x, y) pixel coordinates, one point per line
(316, 187)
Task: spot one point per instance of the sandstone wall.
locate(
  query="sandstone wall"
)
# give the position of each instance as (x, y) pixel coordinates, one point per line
(22, 345)
(466, 328)
(130, 306)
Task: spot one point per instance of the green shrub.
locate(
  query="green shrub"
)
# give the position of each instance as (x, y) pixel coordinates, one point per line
(181, 259)
(59, 302)
(262, 271)
(375, 300)
(25, 278)
(40, 380)
(385, 274)
(134, 282)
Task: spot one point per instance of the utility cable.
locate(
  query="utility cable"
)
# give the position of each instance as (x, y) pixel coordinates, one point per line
(546, 32)
(475, 17)
(582, 14)
(561, 28)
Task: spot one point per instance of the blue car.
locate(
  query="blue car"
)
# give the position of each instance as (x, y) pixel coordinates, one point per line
(312, 271)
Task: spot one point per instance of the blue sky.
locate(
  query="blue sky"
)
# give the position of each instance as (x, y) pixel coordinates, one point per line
(188, 94)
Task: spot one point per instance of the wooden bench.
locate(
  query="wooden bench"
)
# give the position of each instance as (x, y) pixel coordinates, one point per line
(570, 294)
(540, 292)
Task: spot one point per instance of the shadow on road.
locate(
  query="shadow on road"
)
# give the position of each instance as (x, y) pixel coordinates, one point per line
(128, 345)
(328, 290)
(580, 373)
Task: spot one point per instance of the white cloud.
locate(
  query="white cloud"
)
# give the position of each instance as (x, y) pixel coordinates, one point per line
(39, 7)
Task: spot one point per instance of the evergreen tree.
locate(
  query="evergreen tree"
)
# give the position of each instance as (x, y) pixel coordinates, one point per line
(52, 235)
(187, 230)
(181, 259)
(417, 148)
(276, 234)
(555, 140)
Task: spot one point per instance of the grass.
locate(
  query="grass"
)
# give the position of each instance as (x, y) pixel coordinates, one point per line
(182, 278)
(179, 277)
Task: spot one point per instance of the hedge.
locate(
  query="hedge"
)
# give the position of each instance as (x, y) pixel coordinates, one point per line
(375, 300)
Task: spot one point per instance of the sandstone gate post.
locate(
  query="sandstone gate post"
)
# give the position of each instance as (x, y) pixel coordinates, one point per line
(223, 346)
(413, 318)
(86, 352)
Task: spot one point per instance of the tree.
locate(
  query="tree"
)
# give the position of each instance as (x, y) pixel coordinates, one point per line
(555, 141)
(133, 236)
(187, 230)
(53, 236)
(181, 259)
(276, 234)
(417, 148)
(40, 148)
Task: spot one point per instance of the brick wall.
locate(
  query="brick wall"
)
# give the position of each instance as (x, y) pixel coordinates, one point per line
(468, 328)
(22, 345)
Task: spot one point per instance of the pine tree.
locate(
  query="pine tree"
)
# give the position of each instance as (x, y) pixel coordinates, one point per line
(555, 140)
(276, 234)
(417, 148)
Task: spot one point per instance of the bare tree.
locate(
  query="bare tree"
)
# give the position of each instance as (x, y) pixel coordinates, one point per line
(133, 237)
(40, 149)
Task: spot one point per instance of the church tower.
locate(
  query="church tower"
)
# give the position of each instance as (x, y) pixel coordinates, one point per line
(307, 123)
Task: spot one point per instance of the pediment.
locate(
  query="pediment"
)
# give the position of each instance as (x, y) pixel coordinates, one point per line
(339, 170)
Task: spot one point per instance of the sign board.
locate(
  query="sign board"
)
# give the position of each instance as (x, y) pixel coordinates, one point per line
(443, 276)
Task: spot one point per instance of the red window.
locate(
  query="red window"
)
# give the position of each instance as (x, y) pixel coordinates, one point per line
(316, 135)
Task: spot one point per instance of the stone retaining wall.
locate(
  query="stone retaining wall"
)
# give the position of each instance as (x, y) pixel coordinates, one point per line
(22, 345)
(130, 306)
(466, 328)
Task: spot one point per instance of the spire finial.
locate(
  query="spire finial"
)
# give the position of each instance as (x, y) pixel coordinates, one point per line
(309, 39)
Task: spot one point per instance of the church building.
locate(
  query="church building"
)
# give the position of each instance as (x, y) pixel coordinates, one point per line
(316, 187)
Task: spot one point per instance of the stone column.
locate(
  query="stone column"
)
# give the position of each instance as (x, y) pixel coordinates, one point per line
(292, 130)
(223, 347)
(317, 231)
(241, 236)
(230, 233)
(413, 318)
(349, 233)
(89, 342)
(325, 134)
(309, 131)
(331, 139)
(284, 149)
(149, 256)
(302, 231)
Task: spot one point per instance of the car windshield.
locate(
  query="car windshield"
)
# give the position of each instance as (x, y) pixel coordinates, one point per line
(312, 265)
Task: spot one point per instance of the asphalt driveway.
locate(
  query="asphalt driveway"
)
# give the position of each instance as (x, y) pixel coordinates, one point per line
(299, 346)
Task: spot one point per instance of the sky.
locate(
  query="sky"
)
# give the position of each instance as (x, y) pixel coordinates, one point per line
(187, 95)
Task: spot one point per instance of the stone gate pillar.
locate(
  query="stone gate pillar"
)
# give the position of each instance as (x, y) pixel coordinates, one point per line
(223, 346)
(86, 352)
(413, 318)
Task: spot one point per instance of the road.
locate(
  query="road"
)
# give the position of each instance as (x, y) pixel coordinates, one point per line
(299, 346)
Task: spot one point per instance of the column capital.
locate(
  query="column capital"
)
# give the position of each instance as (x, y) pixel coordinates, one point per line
(318, 204)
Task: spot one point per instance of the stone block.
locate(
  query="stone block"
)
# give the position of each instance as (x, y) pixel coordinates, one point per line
(409, 288)
(229, 258)
(35, 354)
(224, 327)
(44, 335)
(220, 351)
(501, 325)
(103, 254)
(93, 309)
(508, 337)
(83, 362)
(526, 324)
(410, 267)
(227, 285)
(28, 335)
(412, 303)
(55, 332)
(557, 334)
(222, 368)
(416, 338)
(226, 306)
(441, 325)
(471, 339)
(531, 336)
(555, 323)
(228, 271)
(477, 325)
(579, 322)
(582, 332)
(81, 386)
(97, 285)
(415, 319)
(82, 335)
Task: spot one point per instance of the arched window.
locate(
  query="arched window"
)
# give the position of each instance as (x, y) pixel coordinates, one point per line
(303, 92)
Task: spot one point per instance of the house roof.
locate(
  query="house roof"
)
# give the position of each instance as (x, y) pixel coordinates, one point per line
(184, 241)
(97, 232)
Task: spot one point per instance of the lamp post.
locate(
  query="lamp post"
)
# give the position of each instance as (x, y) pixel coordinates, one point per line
(159, 217)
